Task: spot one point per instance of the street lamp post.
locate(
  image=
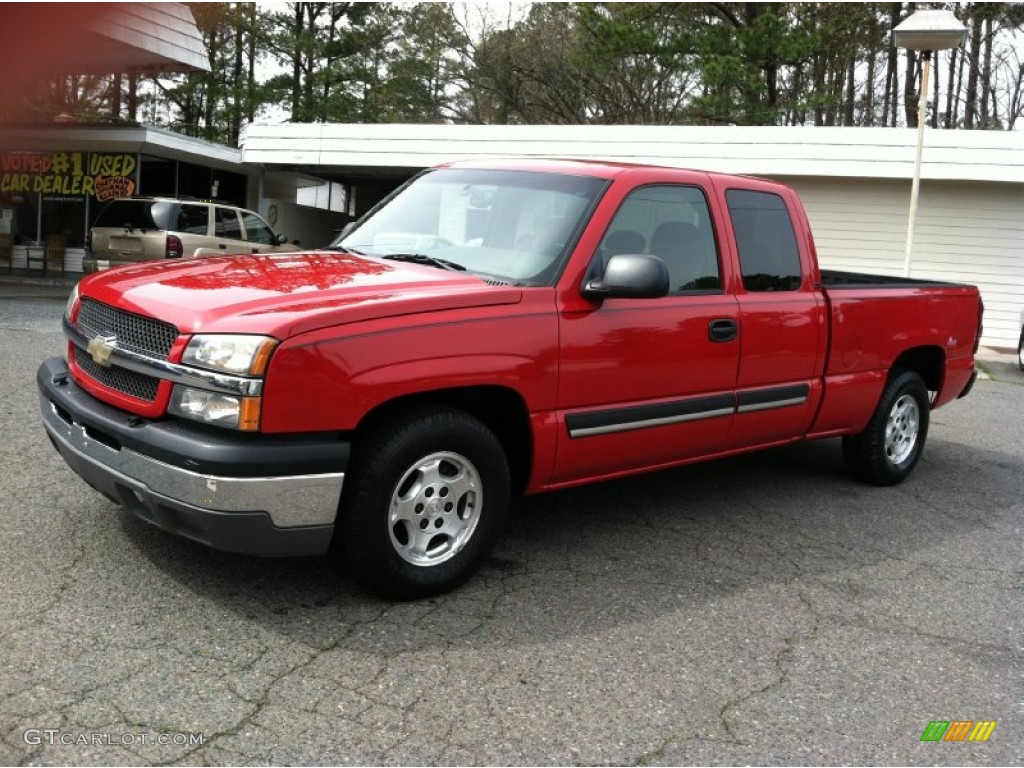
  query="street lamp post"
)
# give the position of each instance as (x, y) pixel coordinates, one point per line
(925, 31)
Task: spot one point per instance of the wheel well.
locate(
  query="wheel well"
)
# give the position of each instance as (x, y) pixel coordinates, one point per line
(926, 362)
(501, 409)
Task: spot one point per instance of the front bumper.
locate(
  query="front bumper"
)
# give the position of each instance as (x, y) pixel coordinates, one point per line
(257, 494)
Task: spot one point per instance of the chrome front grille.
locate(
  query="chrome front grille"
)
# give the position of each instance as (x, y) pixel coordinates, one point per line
(137, 385)
(134, 332)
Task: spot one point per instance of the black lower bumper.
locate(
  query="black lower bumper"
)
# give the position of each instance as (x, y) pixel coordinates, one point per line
(255, 494)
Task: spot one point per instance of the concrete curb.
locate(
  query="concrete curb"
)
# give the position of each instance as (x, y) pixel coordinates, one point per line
(56, 282)
(35, 287)
(997, 355)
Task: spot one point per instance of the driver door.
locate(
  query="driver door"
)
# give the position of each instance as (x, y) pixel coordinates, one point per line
(650, 382)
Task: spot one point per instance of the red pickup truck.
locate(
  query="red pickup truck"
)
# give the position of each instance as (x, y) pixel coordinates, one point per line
(490, 329)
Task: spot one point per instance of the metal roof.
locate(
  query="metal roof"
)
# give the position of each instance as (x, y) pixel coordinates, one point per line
(119, 138)
(148, 37)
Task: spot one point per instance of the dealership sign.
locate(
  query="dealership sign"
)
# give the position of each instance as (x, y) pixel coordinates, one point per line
(98, 174)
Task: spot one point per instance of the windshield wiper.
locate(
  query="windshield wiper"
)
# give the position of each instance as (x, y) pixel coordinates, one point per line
(430, 261)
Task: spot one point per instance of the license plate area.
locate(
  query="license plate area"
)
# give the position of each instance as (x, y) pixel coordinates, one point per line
(125, 245)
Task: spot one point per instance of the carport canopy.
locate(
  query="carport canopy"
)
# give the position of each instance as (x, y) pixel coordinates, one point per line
(44, 40)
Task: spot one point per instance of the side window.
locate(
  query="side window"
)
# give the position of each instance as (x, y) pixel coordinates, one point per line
(227, 223)
(194, 219)
(674, 224)
(256, 231)
(769, 257)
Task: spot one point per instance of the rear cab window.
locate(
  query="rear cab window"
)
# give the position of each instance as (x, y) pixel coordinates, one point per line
(765, 240)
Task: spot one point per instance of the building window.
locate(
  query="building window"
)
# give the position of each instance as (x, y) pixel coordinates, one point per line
(329, 196)
(19, 217)
(65, 215)
(158, 176)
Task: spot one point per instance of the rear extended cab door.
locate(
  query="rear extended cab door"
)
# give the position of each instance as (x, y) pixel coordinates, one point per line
(783, 315)
(647, 382)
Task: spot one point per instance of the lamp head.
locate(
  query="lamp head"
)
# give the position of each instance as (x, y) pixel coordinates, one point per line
(929, 31)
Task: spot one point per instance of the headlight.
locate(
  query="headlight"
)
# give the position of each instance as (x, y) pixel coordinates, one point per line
(230, 353)
(214, 408)
(236, 354)
(69, 308)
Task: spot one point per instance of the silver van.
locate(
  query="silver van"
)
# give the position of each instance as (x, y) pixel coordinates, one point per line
(134, 229)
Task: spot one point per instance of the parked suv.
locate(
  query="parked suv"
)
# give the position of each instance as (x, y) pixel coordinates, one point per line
(133, 229)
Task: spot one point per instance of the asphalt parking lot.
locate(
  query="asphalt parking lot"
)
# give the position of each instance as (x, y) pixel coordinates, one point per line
(763, 610)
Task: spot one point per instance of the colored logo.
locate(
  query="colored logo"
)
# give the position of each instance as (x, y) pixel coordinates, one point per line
(959, 730)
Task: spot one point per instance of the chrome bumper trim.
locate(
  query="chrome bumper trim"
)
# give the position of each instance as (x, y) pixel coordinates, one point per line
(296, 500)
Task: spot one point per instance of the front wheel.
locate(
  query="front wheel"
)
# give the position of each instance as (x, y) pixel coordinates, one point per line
(888, 449)
(427, 498)
(1020, 350)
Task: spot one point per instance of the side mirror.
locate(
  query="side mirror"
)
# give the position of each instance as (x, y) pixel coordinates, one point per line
(630, 276)
(282, 239)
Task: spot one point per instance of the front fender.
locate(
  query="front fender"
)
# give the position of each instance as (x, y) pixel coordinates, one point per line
(318, 383)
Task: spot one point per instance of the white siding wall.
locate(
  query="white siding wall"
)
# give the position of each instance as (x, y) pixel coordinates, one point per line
(312, 227)
(966, 232)
(759, 150)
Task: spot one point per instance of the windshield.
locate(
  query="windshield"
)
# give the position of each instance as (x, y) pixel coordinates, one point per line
(511, 226)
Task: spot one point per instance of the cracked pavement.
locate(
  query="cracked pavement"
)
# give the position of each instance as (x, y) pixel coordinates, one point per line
(764, 610)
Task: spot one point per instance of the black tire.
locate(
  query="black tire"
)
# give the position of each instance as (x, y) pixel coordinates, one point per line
(888, 449)
(1020, 350)
(445, 476)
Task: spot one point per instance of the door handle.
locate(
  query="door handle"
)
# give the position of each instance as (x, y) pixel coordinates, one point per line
(722, 329)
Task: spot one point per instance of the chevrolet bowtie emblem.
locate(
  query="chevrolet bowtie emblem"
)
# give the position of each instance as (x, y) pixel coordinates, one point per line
(101, 348)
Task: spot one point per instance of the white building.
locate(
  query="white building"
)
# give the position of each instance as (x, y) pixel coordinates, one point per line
(855, 183)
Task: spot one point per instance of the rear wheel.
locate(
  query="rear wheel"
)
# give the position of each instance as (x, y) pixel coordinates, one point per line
(887, 451)
(1020, 350)
(424, 504)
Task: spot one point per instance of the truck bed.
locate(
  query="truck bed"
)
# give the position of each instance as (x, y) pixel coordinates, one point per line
(834, 279)
(875, 318)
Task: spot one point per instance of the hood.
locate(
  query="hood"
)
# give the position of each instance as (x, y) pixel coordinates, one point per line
(283, 295)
